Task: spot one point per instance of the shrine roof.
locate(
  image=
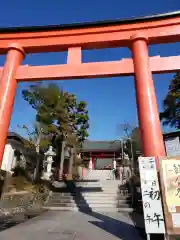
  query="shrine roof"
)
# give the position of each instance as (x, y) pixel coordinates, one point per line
(89, 24)
(15, 136)
(171, 134)
(94, 146)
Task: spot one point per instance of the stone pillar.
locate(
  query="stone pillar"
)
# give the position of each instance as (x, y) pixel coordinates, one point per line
(151, 134)
(8, 86)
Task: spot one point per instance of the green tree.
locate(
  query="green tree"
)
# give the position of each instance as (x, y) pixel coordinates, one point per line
(131, 139)
(136, 140)
(171, 104)
(61, 113)
(36, 141)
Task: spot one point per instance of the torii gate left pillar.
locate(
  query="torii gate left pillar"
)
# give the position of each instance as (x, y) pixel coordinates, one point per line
(8, 86)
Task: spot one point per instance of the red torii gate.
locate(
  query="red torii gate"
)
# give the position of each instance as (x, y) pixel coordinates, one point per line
(134, 33)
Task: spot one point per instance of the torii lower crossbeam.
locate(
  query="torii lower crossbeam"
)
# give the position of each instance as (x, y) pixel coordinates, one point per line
(93, 70)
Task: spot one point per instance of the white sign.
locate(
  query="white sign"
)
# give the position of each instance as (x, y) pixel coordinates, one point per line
(151, 197)
(172, 146)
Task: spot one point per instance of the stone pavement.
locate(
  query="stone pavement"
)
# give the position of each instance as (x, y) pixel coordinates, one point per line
(53, 225)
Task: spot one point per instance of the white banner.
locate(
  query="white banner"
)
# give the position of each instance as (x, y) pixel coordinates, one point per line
(151, 197)
(172, 146)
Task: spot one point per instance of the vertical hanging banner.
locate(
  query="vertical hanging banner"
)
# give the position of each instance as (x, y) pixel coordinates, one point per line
(170, 185)
(151, 197)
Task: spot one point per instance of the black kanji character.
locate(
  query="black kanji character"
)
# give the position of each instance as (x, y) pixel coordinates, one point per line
(178, 192)
(154, 183)
(176, 168)
(153, 195)
(158, 218)
(148, 218)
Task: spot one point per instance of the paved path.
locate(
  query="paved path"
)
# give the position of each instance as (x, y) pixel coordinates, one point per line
(74, 226)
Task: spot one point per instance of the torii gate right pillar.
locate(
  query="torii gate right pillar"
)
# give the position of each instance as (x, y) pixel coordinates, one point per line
(151, 134)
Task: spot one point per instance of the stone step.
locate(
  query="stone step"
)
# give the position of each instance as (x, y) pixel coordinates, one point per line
(93, 191)
(106, 200)
(129, 209)
(95, 184)
(112, 209)
(101, 196)
(99, 188)
(122, 201)
(109, 181)
(114, 203)
(57, 208)
(87, 184)
(107, 205)
(52, 200)
(109, 184)
(61, 196)
(109, 209)
(90, 205)
(60, 204)
(100, 192)
(89, 196)
(111, 191)
(104, 194)
(90, 199)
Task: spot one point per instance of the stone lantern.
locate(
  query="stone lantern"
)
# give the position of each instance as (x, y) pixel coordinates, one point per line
(48, 160)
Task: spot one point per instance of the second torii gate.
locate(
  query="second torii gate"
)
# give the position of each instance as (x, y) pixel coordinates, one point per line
(134, 33)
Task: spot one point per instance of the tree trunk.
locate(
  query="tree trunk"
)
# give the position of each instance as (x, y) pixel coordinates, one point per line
(36, 170)
(71, 163)
(62, 160)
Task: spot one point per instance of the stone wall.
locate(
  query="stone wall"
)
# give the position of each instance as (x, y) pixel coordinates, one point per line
(21, 202)
(16, 153)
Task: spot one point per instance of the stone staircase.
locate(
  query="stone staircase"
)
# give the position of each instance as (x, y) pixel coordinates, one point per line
(98, 196)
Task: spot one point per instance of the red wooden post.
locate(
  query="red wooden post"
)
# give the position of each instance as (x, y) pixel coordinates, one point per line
(151, 134)
(8, 85)
(74, 55)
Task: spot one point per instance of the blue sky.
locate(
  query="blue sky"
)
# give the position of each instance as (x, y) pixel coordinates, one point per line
(111, 101)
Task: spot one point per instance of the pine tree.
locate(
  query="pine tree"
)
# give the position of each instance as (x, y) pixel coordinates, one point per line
(171, 104)
(61, 113)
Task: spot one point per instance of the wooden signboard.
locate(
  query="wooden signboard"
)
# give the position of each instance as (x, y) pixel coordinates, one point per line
(170, 185)
(151, 197)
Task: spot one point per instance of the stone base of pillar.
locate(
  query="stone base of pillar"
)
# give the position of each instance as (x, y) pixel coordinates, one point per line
(46, 176)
